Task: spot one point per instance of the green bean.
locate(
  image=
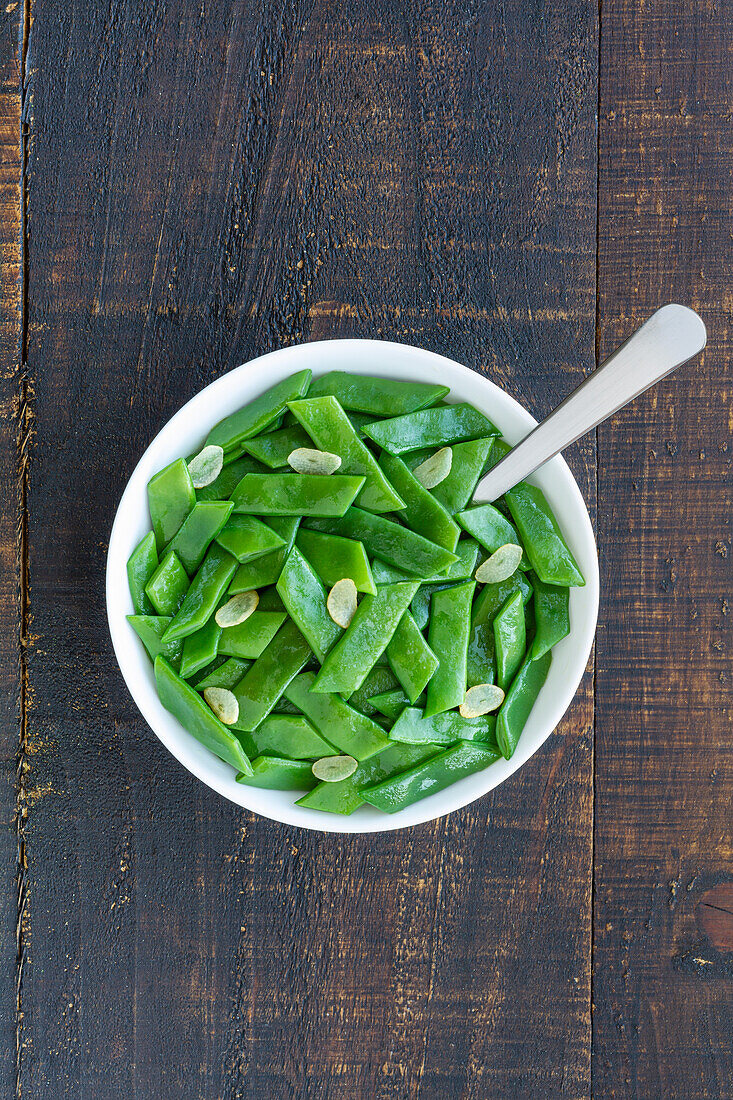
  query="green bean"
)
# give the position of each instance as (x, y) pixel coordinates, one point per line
(345, 797)
(468, 463)
(489, 526)
(552, 617)
(542, 539)
(430, 428)
(275, 448)
(517, 706)
(262, 685)
(435, 774)
(288, 735)
(227, 674)
(274, 773)
(247, 538)
(167, 587)
(415, 727)
(397, 545)
(380, 678)
(331, 430)
(338, 723)
(150, 630)
(250, 638)
(392, 703)
(410, 657)
(305, 600)
(421, 510)
(448, 635)
(207, 588)
(371, 629)
(202, 524)
(296, 494)
(510, 639)
(171, 496)
(142, 564)
(376, 396)
(197, 718)
(199, 649)
(266, 570)
(229, 478)
(334, 558)
(261, 412)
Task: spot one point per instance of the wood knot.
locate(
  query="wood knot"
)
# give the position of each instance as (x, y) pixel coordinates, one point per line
(714, 913)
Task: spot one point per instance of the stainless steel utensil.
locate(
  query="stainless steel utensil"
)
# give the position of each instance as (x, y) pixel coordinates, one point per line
(671, 337)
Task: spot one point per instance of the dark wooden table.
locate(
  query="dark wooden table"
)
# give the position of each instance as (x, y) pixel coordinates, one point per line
(515, 183)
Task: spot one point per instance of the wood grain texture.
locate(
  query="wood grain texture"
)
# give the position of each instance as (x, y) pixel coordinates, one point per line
(207, 182)
(12, 450)
(663, 989)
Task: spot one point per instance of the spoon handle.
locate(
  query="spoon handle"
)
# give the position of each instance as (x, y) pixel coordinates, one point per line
(668, 339)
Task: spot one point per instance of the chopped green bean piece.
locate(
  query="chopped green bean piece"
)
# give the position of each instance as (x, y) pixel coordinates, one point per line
(376, 396)
(423, 513)
(260, 413)
(275, 448)
(371, 629)
(142, 564)
(261, 687)
(414, 727)
(250, 638)
(462, 759)
(274, 773)
(225, 675)
(207, 588)
(510, 638)
(345, 797)
(171, 496)
(397, 545)
(331, 430)
(552, 616)
(199, 649)
(200, 527)
(229, 478)
(448, 635)
(334, 558)
(380, 678)
(410, 657)
(197, 718)
(150, 630)
(304, 597)
(392, 703)
(430, 428)
(489, 526)
(517, 706)
(289, 735)
(469, 461)
(541, 537)
(296, 494)
(167, 587)
(342, 726)
(247, 538)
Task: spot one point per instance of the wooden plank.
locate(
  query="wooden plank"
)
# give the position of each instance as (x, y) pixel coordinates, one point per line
(206, 185)
(12, 449)
(663, 1022)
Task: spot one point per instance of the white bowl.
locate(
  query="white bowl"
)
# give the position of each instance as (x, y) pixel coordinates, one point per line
(184, 434)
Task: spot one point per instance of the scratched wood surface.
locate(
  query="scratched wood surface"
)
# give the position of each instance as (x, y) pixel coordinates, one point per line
(12, 454)
(205, 182)
(663, 959)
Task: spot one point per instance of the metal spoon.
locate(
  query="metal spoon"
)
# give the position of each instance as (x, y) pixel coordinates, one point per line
(671, 337)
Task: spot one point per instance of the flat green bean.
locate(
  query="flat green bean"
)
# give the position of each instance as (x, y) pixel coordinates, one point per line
(371, 629)
(331, 430)
(296, 494)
